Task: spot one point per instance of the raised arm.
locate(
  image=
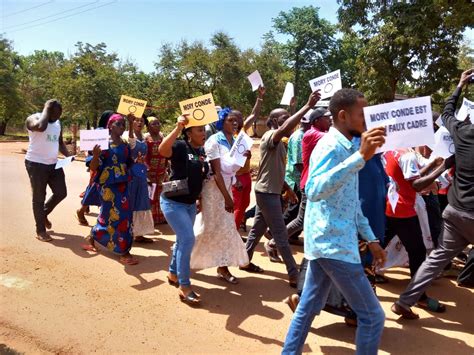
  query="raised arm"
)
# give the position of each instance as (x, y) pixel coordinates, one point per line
(33, 123)
(448, 118)
(256, 109)
(166, 146)
(290, 124)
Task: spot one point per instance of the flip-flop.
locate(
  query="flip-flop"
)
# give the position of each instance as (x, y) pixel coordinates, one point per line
(431, 304)
(228, 278)
(88, 247)
(404, 312)
(44, 237)
(191, 298)
(128, 260)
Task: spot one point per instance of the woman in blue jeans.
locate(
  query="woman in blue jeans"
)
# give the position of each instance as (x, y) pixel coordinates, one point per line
(187, 162)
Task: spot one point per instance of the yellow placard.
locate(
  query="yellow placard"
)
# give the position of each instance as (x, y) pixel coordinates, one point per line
(129, 105)
(201, 110)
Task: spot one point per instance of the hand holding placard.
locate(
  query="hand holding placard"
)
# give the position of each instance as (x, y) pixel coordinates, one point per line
(288, 94)
(370, 141)
(129, 105)
(89, 138)
(200, 110)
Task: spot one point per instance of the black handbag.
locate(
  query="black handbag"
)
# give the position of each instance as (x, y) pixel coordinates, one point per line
(176, 188)
(180, 187)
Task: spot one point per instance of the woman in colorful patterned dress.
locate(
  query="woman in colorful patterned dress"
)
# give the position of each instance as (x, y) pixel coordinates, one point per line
(113, 228)
(157, 166)
(138, 188)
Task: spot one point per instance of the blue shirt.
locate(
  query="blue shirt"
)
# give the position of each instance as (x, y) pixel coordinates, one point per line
(333, 216)
(372, 194)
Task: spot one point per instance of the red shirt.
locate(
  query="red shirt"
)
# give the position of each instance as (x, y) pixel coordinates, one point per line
(310, 139)
(402, 166)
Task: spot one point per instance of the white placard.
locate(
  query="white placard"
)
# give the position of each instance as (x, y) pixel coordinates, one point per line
(90, 138)
(409, 123)
(62, 163)
(444, 144)
(439, 122)
(255, 80)
(328, 84)
(288, 94)
(467, 108)
(242, 143)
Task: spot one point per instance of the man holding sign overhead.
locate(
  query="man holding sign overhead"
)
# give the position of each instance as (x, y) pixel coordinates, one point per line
(46, 138)
(271, 183)
(459, 214)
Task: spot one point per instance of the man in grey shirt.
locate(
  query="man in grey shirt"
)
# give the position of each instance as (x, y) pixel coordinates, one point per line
(271, 183)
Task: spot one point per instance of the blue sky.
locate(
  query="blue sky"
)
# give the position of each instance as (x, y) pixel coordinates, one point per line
(137, 29)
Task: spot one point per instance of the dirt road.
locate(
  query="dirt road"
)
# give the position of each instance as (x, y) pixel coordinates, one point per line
(56, 298)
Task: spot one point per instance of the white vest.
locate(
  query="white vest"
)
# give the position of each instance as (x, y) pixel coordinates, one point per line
(44, 146)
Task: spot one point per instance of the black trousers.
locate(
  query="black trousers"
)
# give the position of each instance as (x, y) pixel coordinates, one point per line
(42, 175)
(434, 216)
(409, 232)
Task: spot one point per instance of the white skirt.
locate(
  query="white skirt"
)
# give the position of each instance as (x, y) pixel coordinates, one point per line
(142, 223)
(218, 243)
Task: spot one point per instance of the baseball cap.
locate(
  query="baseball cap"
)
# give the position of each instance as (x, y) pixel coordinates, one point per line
(318, 113)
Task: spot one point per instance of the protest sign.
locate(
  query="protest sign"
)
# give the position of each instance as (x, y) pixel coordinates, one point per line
(151, 191)
(467, 108)
(90, 138)
(242, 143)
(439, 122)
(201, 110)
(131, 105)
(444, 144)
(288, 94)
(328, 84)
(255, 80)
(62, 163)
(408, 123)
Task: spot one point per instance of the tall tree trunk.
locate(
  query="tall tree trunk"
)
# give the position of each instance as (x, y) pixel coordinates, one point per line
(3, 127)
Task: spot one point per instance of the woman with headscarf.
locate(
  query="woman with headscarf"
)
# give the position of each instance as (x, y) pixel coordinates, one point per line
(188, 171)
(91, 197)
(139, 197)
(114, 223)
(218, 243)
(157, 167)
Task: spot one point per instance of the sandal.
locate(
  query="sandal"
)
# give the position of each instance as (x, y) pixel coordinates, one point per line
(292, 301)
(47, 223)
(191, 298)
(431, 304)
(172, 283)
(81, 218)
(44, 237)
(141, 239)
(128, 260)
(228, 277)
(404, 312)
(252, 268)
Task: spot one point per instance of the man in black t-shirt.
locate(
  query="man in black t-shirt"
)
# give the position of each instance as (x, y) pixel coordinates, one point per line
(459, 214)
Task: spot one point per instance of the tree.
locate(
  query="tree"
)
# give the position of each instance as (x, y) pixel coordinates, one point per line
(11, 103)
(406, 44)
(310, 44)
(88, 83)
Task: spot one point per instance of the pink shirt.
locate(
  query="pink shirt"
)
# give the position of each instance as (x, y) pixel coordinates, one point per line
(310, 139)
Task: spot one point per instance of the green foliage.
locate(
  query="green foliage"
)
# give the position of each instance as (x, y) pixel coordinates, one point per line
(411, 44)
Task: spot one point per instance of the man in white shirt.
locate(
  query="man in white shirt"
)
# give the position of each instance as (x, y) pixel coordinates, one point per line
(45, 135)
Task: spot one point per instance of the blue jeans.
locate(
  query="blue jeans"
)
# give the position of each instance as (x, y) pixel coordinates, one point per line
(180, 216)
(350, 279)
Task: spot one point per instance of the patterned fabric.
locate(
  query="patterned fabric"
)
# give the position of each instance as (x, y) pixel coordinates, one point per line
(113, 228)
(157, 174)
(292, 174)
(333, 214)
